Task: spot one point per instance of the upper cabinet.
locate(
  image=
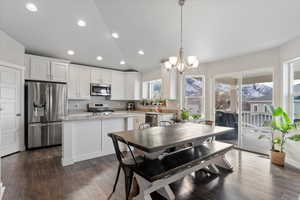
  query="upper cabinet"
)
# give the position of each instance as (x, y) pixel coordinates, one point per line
(59, 71)
(133, 86)
(118, 85)
(46, 69)
(101, 76)
(79, 82)
(169, 84)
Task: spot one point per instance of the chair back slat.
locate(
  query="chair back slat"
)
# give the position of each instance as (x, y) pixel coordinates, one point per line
(119, 154)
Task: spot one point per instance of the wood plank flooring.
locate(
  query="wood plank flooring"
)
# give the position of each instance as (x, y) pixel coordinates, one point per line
(38, 175)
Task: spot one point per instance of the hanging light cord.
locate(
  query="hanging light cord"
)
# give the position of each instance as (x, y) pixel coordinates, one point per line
(181, 21)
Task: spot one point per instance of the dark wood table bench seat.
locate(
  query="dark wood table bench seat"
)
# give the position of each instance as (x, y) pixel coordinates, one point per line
(153, 170)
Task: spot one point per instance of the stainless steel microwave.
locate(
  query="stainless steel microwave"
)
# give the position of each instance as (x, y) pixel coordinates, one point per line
(100, 89)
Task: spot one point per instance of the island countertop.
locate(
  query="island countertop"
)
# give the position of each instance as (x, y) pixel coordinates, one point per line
(100, 116)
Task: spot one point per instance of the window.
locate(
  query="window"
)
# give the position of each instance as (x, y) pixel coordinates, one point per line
(152, 89)
(295, 90)
(194, 94)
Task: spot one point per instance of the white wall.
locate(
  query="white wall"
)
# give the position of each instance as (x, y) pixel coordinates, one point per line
(254, 61)
(10, 50)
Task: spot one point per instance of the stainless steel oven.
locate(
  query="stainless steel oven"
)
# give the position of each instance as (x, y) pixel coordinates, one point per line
(100, 89)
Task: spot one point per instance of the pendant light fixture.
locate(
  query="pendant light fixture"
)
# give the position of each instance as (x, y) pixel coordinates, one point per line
(180, 63)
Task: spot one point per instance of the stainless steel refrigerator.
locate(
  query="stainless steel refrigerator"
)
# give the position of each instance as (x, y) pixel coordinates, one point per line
(45, 105)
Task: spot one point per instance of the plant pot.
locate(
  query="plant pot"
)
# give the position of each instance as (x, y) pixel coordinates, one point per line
(278, 158)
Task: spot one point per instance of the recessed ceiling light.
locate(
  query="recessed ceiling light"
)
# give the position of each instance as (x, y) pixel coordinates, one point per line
(31, 7)
(141, 52)
(99, 58)
(115, 35)
(122, 62)
(70, 52)
(81, 23)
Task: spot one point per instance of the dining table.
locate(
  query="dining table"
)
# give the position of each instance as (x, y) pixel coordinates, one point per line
(155, 143)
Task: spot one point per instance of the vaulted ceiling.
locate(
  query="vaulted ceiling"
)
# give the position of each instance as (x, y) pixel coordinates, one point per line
(213, 29)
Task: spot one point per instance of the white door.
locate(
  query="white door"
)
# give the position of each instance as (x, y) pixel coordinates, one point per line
(59, 71)
(10, 110)
(106, 76)
(97, 76)
(118, 86)
(85, 80)
(73, 83)
(39, 69)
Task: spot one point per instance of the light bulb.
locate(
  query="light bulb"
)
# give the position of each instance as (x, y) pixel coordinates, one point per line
(173, 60)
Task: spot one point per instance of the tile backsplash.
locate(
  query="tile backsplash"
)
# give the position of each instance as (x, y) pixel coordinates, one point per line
(81, 105)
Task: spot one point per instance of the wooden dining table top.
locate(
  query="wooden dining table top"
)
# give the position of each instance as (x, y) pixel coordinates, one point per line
(156, 139)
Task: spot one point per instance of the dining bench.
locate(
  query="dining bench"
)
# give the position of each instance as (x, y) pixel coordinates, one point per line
(157, 174)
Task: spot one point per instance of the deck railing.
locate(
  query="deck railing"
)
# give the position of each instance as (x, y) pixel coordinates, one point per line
(255, 119)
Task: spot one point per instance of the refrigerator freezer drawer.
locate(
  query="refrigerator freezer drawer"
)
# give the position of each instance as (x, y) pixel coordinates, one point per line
(42, 135)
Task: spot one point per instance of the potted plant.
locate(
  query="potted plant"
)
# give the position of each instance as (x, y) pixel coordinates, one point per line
(185, 115)
(281, 125)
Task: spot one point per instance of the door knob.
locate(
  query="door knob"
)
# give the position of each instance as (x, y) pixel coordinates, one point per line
(18, 115)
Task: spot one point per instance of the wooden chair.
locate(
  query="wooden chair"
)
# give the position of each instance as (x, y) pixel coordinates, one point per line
(126, 162)
(165, 123)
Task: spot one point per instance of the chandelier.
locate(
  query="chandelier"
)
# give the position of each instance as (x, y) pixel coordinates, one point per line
(180, 63)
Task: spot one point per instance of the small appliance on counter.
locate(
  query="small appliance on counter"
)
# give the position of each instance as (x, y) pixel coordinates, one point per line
(99, 108)
(131, 106)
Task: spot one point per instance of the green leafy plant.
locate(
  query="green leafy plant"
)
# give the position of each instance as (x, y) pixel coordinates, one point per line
(185, 114)
(196, 116)
(283, 124)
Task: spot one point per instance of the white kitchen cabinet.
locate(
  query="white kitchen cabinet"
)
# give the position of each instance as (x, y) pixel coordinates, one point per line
(111, 126)
(79, 82)
(40, 69)
(133, 86)
(101, 76)
(169, 84)
(46, 69)
(118, 85)
(59, 71)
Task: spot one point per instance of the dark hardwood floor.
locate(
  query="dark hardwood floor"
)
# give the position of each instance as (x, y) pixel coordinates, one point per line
(38, 175)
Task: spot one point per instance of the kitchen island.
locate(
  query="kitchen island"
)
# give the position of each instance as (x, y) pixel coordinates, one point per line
(85, 136)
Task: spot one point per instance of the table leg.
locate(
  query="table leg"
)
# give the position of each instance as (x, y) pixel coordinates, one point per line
(224, 163)
(167, 192)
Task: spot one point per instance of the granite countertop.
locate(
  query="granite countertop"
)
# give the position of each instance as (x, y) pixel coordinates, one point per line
(100, 116)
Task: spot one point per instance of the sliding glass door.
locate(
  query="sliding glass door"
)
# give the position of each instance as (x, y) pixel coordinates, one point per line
(242, 101)
(227, 107)
(257, 96)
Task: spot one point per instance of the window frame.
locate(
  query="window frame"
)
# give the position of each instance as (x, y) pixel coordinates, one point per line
(148, 85)
(201, 97)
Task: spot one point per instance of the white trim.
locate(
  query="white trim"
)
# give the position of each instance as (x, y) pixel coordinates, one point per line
(202, 76)
(2, 189)
(7, 64)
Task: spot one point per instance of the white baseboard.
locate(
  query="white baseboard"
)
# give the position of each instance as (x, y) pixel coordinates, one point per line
(2, 189)
(78, 158)
(293, 163)
(88, 156)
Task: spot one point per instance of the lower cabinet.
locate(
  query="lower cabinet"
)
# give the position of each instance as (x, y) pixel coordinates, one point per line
(110, 126)
(88, 139)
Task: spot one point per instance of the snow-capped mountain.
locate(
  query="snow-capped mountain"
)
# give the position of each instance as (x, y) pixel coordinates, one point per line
(257, 92)
(193, 87)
